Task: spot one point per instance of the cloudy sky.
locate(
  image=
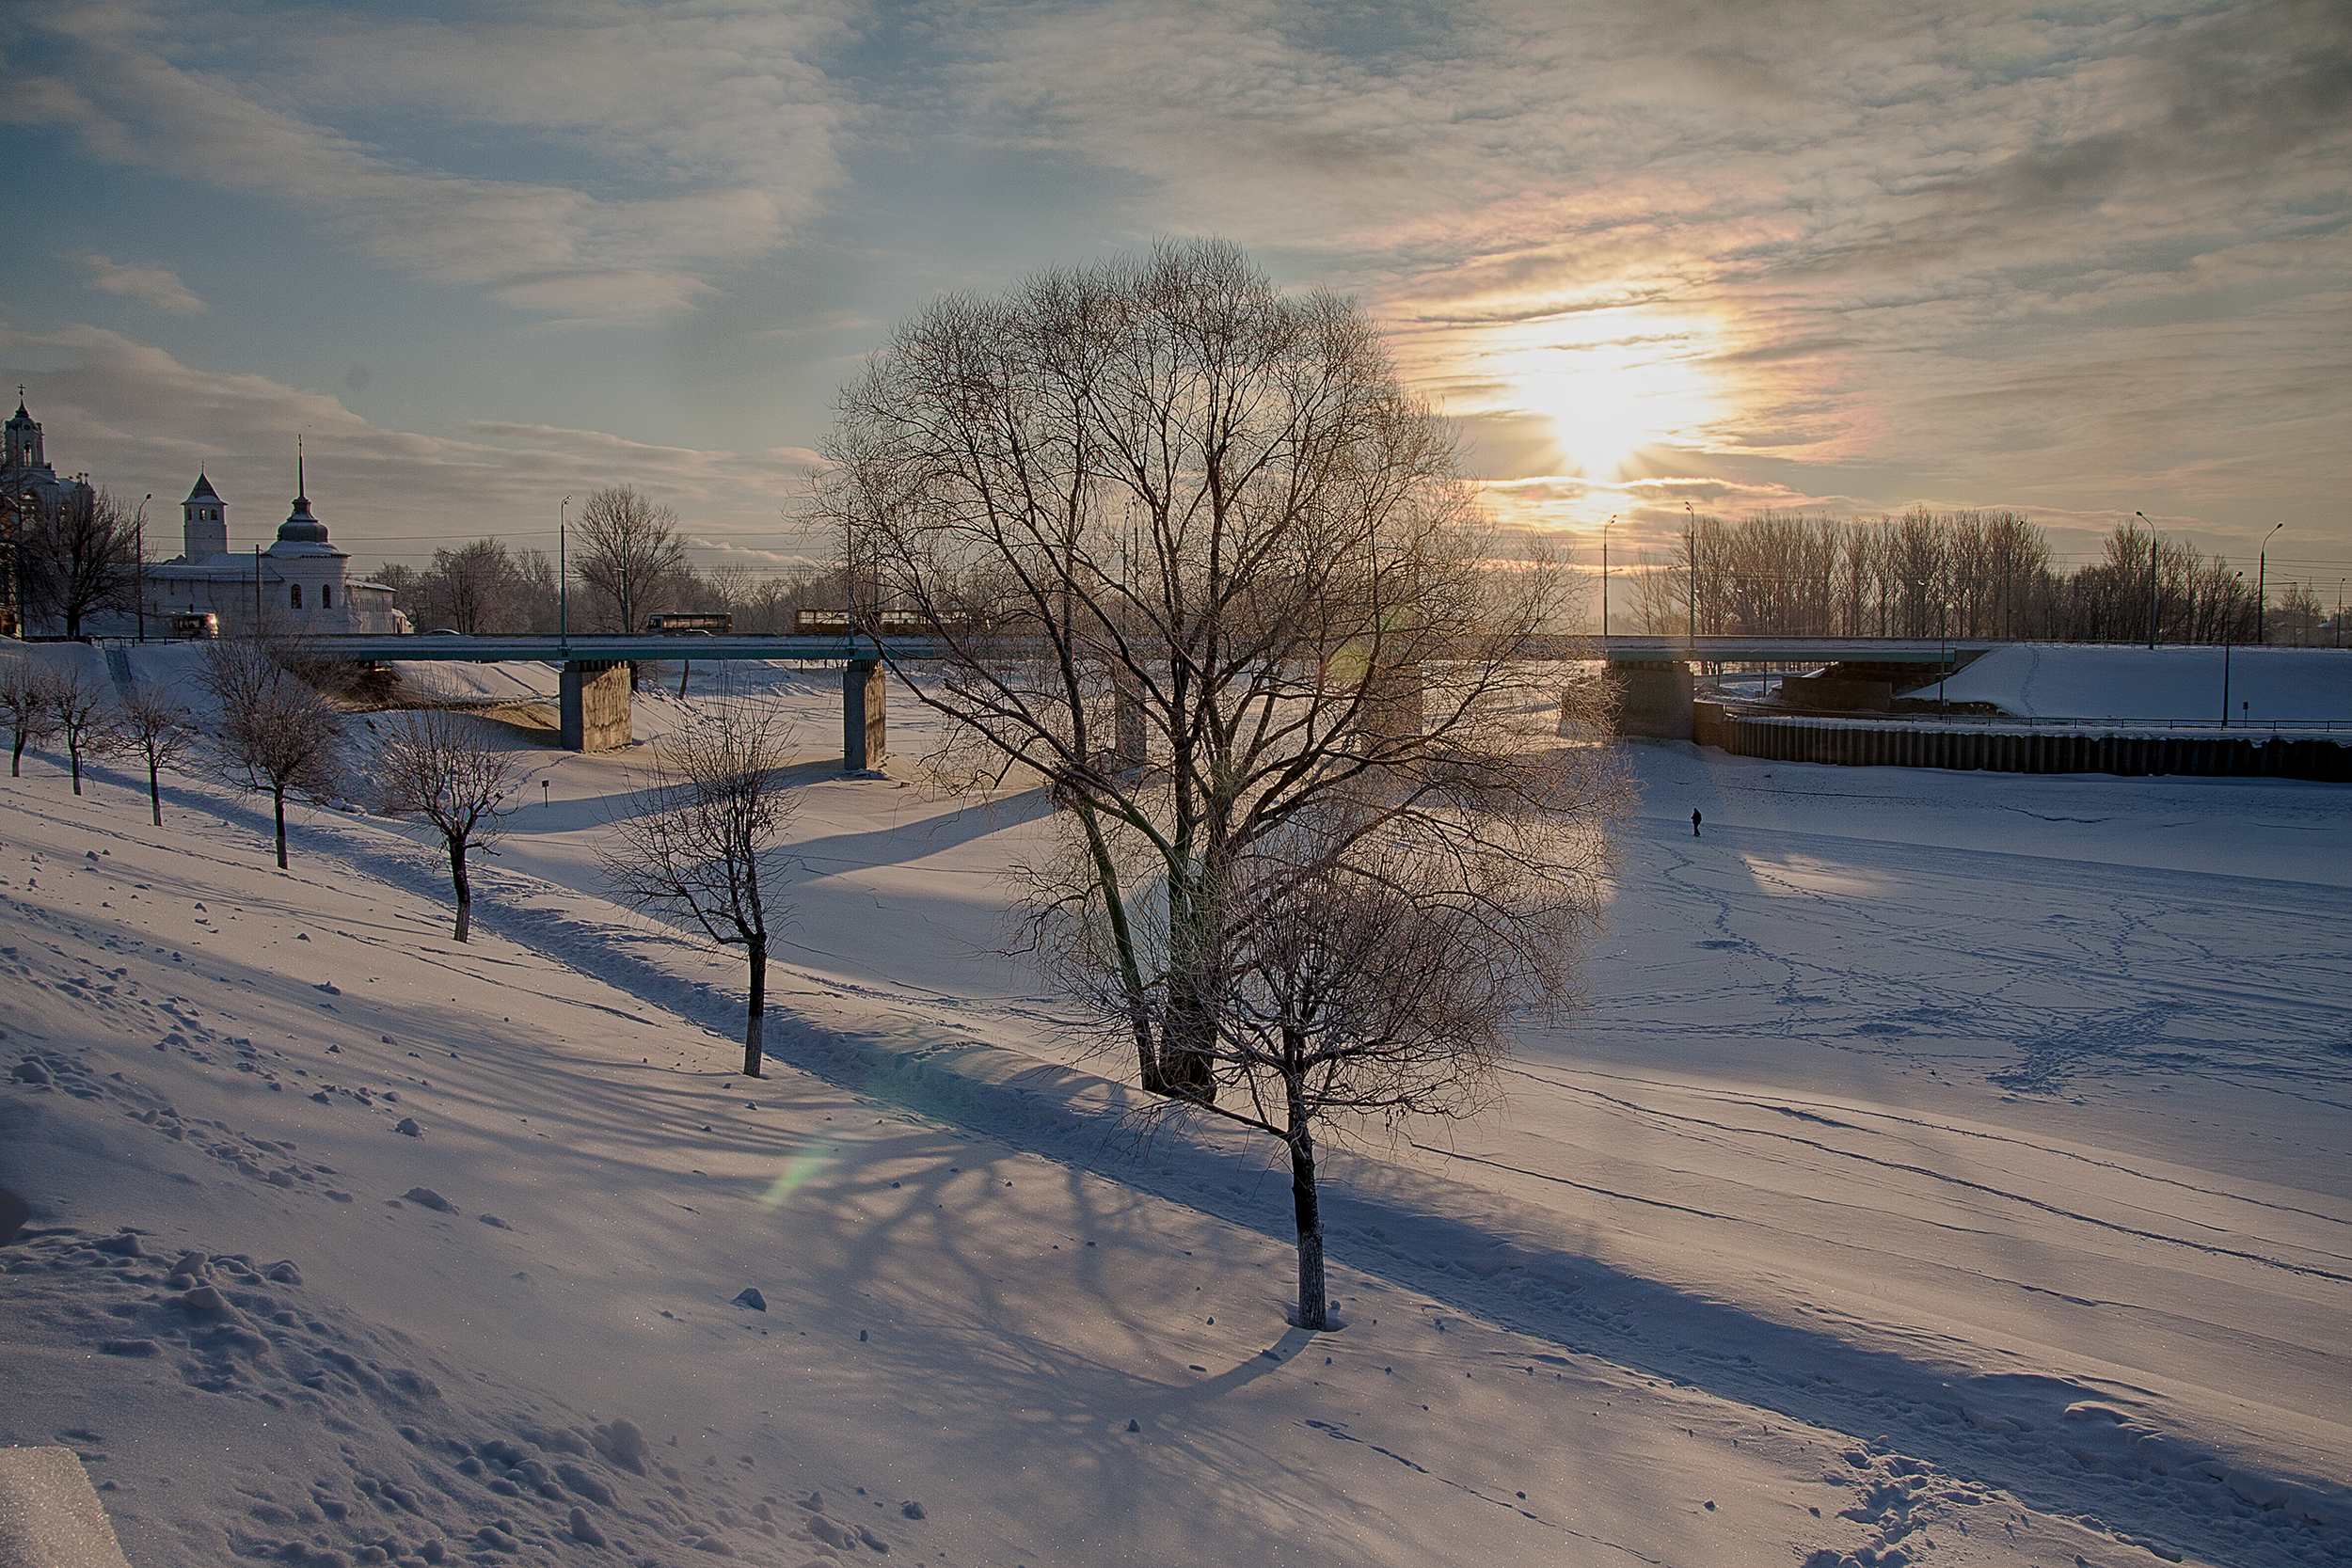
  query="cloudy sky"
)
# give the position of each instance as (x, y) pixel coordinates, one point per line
(2078, 259)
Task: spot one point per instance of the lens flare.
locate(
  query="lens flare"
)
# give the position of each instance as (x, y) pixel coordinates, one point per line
(798, 1172)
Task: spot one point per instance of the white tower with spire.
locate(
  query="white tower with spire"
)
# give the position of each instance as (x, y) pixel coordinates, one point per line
(203, 522)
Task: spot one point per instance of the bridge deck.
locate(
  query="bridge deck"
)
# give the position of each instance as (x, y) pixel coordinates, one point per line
(434, 647)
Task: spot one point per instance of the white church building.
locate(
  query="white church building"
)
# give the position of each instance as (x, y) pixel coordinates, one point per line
(299, 583)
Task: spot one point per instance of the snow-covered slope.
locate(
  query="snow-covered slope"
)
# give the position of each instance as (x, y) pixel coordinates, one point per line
(2069, 680)
(1950, 1167)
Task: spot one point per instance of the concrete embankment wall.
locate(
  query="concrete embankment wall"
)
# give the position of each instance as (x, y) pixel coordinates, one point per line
(2025, 750)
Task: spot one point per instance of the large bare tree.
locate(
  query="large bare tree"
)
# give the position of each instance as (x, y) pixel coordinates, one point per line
(81, 555)
(277, 733)
(701, 836)
(628, 549)
(1194, 556)
(445, 767)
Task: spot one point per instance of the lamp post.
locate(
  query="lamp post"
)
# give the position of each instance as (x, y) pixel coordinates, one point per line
(1604, 575)
(563, 581)
(1943, 661)
(138, 564)
(2239, 578)
(1691, 533)
(2262, 584)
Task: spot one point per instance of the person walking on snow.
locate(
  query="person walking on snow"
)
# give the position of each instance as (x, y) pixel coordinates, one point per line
(1694, 821)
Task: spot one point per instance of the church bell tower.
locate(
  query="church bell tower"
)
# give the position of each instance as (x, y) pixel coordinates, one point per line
(204, 522)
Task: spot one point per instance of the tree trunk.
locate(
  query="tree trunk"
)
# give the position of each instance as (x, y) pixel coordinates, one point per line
(1314, 1304)
(756, 1014)
(154, 794)
(278, 798)
(74, 755)
(16, 761)
(464, 887)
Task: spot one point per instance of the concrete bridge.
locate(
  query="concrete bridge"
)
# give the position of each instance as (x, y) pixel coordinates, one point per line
(593, 702)
(1653, 673)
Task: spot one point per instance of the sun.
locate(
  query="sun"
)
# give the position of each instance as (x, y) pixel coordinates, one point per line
(1613, 383)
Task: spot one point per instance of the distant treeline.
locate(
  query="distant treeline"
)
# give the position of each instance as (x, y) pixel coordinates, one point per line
(627, 561)
(1958, 574)
(483, 588)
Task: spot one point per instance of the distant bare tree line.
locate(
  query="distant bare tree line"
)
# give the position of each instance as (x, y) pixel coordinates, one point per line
(1958, 574)
(627, 561)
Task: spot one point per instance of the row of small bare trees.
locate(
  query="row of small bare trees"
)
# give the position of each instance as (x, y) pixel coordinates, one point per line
(276, 733)
(1961, 574)
(40, 704)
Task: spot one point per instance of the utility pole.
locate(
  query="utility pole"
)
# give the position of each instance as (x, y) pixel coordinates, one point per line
(2151, 580)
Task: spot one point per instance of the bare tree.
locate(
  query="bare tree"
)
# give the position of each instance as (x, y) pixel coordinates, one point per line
(1194, 556)
(277, 733)
(700, 834)
(157, 729)
(442, 766)
(84, 711)
(628, 548)
(26, 701)
(81, 556)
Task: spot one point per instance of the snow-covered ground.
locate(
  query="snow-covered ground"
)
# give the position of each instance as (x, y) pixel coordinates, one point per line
(1949, 1168)
(2067, 680)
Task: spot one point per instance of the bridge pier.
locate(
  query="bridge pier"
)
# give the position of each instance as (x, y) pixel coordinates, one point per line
(592, 705)
(1654, 699)
(864, 728)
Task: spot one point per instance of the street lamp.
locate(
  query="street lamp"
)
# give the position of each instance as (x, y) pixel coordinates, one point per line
(1943, 661)
(563, 581)
(2239, 578)
(2262, 569)
(1604, 575)
(138, 564)
(1691, 532)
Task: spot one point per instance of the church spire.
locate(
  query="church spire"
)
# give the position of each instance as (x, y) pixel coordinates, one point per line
(302, 491)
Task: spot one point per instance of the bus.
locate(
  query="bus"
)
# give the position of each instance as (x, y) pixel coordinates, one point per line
(835, 622)
(677, 623)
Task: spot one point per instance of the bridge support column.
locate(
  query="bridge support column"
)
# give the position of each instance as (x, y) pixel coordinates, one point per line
(865, 727)
(594, 706)
(1654, 699)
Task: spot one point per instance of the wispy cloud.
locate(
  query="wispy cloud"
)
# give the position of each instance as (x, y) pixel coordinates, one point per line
(689, 141)
(142, 420)
(157, 286)
(1996, 247)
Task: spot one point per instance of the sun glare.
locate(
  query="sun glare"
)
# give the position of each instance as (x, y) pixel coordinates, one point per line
(1613, 383)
